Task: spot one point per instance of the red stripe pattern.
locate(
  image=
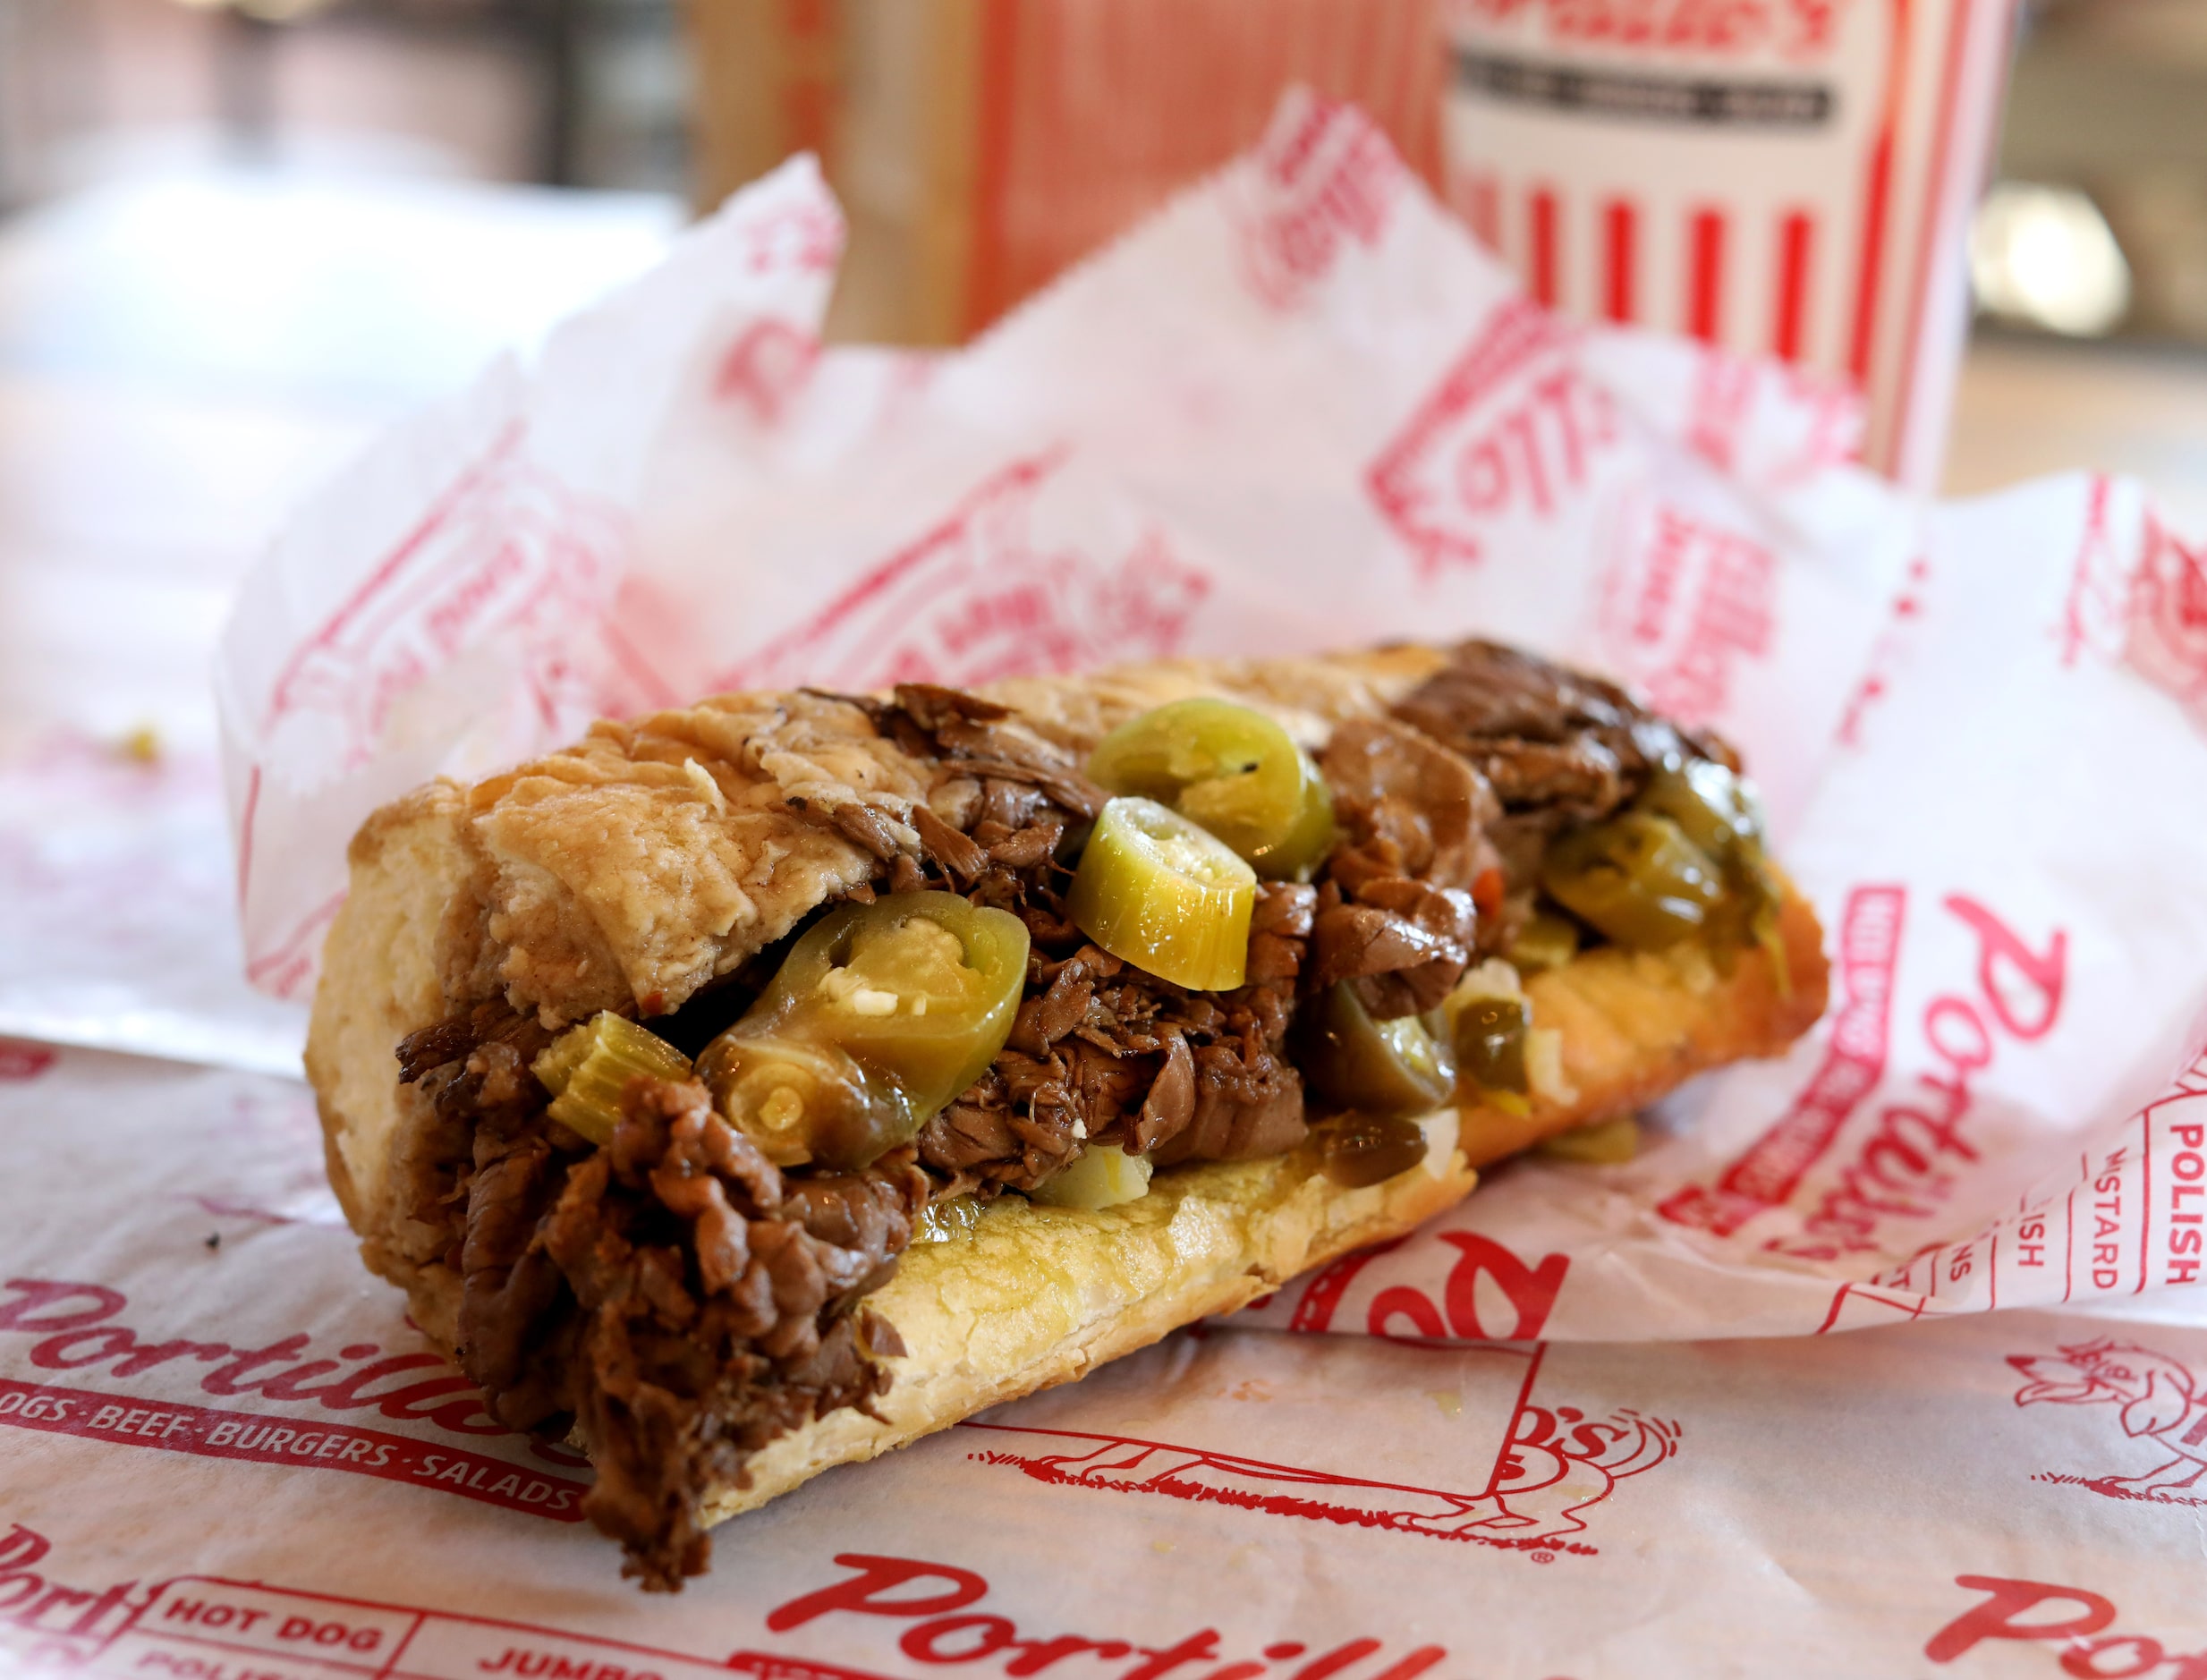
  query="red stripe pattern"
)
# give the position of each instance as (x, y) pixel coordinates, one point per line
(1546, 237)
(1796, 235)
(1621, 230)
(1705, 276)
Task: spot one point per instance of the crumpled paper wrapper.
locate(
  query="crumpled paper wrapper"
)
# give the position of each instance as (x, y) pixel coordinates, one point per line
(228, 1458)
(1302, 409)
(1298, 409)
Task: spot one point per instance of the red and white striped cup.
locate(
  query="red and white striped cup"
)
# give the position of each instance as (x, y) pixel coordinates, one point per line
(1790, 178)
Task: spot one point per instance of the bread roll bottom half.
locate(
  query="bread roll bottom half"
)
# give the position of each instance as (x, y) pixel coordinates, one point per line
(714, 1329)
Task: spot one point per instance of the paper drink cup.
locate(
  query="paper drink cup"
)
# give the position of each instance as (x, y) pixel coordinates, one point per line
(1788, 178)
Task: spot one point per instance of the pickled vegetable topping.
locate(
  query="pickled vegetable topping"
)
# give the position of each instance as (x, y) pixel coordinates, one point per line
(1685, 859)
(1718, 812)
(1490, 1043)
(1612, 1143)
(1377, 1066)
(1636, 879)
(1231, 769)
(587, 1068)
(1361, 1149)
(1712, 807)
(879, 1015)
(1104, 1176)
(1156, 890)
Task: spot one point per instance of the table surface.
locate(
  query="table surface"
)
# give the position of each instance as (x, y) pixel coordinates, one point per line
(183, 357)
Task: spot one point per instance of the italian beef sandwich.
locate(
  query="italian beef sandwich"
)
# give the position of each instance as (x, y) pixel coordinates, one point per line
(749, 1089)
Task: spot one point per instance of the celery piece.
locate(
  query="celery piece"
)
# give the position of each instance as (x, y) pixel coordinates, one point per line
(587, 1068)
(1103, 1176)
(1611, 1143)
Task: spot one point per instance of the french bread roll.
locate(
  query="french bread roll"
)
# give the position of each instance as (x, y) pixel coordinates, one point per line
(634, 869)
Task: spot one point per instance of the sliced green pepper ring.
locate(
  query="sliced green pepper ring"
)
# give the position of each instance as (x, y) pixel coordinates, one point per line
(1715, 808)
(1156, 890)
(1490, 1043)
(1377, 1067)
(879, 1016)
(1718, 812)
(1231, 769)
(1360, 1149)
(1636, 879)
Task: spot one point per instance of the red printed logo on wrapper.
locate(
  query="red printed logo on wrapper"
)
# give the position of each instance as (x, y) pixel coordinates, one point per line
(1544, 1463)
(1323, 176)
(980, 597)
(1766, 422)
(804, 236)
(2139, 595)
(507, 552)
(2151, 1397)
(762, 371)
(19, 1061)
(2068, 1624)
(509, 563)
(100, 1379)
(2169, 617)
(204, 1627)
(1549, 1464)
(1511, 430)
(1686, 603)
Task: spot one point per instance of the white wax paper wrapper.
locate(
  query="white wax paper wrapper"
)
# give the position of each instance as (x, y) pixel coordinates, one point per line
(227, 1457)
(1300, 409)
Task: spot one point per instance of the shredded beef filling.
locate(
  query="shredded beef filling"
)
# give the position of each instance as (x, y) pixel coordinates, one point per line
(673, 1291)
(1397, 913)
(686, 1301)
(1556, 747)
(1103, 1052)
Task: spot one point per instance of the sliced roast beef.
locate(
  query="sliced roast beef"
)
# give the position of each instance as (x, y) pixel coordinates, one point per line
(672, 1292)
(1398, 914)
(1101, 1052)
(1550, 739)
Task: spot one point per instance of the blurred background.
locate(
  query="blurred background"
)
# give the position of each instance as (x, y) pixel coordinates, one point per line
(236, 236)
(2095, 226)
